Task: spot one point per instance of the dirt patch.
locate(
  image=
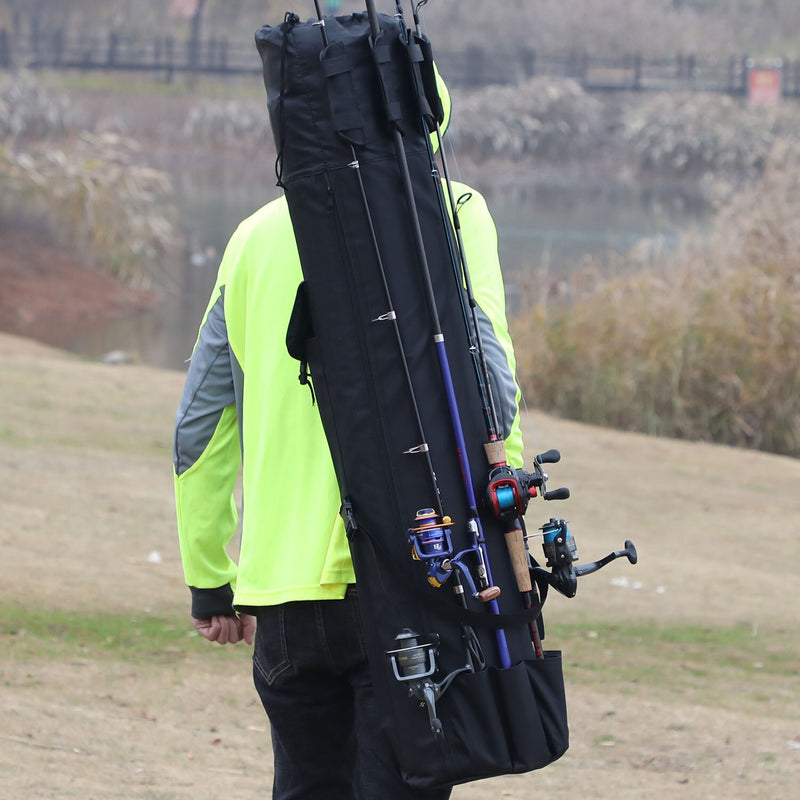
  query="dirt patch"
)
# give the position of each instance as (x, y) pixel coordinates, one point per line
(51, 295)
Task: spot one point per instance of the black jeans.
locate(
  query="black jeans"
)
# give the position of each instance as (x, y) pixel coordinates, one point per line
(310, 670)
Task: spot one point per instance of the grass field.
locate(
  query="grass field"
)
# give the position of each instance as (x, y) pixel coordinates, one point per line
(682, 671)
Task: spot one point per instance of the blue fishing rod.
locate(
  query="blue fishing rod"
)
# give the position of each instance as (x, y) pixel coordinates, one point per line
(509, 490)
(420, 55)
(488, 592)
(501, 500)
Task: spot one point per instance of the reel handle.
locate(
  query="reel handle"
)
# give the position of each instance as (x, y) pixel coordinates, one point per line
(628, 552)
(548, 457)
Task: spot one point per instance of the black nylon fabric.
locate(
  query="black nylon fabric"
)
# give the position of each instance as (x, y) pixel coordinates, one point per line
(495, 721)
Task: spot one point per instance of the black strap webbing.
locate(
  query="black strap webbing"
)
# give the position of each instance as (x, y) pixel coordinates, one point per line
(387, 75)
(345, 114)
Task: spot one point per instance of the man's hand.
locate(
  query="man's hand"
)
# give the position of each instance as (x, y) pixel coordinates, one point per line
(227, 629)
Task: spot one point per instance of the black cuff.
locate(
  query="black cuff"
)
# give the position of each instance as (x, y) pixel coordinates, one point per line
(207, 603)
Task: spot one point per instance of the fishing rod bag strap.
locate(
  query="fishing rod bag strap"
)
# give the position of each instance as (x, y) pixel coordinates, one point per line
(300, 329)
(386, 66)
(420, 55)
(298, 333)
(345, 115)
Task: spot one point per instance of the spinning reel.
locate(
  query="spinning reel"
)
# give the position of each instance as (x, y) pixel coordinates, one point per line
(431, 543)
(414, 662)
(561, 553)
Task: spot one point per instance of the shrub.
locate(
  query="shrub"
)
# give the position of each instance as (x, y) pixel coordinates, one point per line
(28, 112)
(694, 133)
(95, 196)
(229, 123)
(703, 346)
(541, 117)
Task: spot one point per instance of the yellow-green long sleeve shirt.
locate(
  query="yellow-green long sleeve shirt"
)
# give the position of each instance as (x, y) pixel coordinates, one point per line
(243, 405)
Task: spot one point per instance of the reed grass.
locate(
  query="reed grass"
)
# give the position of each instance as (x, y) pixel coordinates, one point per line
(702, 344)
(92, 192)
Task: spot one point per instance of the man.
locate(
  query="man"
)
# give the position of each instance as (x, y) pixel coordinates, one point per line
(242, 404)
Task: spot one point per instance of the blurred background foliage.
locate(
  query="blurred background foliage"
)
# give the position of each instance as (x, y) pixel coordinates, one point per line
(92, 192)
(701, 342)
(605, 26)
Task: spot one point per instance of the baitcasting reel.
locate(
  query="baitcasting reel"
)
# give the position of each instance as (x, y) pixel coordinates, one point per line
(508, 494)
(510, 489)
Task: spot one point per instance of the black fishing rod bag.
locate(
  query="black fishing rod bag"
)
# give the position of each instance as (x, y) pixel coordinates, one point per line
(365, 335)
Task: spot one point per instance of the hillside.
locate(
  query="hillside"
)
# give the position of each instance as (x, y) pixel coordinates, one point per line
(681, 671)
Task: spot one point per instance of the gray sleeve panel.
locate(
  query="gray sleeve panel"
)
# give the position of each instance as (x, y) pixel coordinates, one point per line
(501, 378)
(237, 374)
(207, 392)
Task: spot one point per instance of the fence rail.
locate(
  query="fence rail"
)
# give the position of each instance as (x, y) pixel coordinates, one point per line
(163, 57)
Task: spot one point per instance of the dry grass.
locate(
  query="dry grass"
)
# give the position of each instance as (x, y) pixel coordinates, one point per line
(704, 345)
(682, 679)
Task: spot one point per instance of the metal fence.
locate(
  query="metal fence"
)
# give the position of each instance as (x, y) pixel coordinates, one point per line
(163, 57)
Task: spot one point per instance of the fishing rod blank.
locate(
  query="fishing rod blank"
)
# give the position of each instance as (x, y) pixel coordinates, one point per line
(489, 592)
(474, 651)
(420, 55)
(421, 60)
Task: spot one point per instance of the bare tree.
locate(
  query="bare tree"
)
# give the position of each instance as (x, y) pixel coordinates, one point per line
(194, 33)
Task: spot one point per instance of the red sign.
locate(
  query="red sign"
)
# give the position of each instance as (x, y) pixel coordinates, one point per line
(764, 85)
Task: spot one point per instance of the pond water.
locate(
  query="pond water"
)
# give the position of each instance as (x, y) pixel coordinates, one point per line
(552, 227)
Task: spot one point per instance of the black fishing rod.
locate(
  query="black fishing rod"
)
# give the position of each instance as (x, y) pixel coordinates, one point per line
(488, 592)
(420, 55)
(390, 315)
(430, 538)
(426, 91)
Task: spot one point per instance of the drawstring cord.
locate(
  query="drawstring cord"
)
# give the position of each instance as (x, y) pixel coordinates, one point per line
(289, 21)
